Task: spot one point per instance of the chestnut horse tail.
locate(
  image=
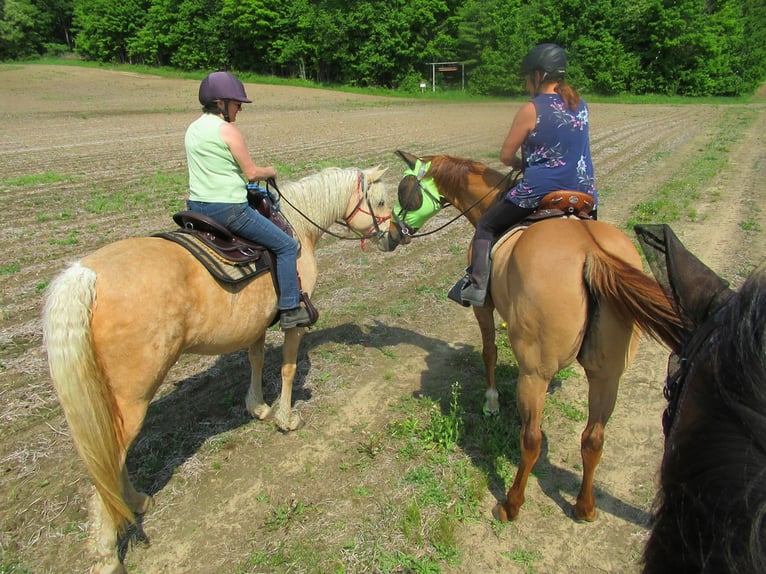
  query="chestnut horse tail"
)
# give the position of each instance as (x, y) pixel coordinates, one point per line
(83, 392)
(633, 294)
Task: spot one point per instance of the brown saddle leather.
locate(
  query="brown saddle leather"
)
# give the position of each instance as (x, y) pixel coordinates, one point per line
(567, 202)
(218, 238)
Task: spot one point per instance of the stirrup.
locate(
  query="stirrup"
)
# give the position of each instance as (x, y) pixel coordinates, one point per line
(474, 295)
(456, 293)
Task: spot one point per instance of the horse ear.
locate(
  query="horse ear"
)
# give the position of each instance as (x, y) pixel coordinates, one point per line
(375, 173)
(696, 291)
(408, 158)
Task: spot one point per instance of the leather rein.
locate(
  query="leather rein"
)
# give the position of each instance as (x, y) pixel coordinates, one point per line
(364, 200)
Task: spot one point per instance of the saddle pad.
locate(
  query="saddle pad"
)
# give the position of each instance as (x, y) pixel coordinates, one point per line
(536, 216)
(226, 271)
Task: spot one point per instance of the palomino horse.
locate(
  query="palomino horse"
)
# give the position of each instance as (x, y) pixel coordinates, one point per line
(568, 289)
(710, 515)
(116, 321)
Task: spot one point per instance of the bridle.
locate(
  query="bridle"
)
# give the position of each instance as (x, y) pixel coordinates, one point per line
(680, 365)
(364, 200)
(405, 229)
(359, 208)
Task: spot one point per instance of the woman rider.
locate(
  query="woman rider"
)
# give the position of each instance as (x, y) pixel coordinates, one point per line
(219, 167)
(552, 133)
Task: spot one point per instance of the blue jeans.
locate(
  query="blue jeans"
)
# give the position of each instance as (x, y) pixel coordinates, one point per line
(243, 220)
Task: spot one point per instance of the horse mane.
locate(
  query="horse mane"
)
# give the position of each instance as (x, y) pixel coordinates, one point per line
(317, 196)
(711, 510)
(451, 172)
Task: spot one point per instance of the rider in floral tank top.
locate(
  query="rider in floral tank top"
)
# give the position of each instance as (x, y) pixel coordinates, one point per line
(551, 133)
(556, 154)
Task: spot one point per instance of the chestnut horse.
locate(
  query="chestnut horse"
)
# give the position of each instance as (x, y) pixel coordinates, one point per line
(116, 321)
(568, 289)
(710, 515)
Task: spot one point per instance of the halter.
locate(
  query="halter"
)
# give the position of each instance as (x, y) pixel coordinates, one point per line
(362, 191)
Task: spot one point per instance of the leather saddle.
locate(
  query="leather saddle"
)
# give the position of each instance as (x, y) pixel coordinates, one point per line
(218, 238)
(563, 203)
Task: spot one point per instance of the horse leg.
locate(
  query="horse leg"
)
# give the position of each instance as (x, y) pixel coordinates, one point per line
(286, 419)
(607, 351)
(530, 401)
(602, 396)
(486, 319)
(254, 402)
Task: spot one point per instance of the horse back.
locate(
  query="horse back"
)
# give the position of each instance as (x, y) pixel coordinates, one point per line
(543, 264)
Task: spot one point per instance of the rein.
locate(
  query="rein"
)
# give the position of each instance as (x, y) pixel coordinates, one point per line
(373, 231)
(495, 188)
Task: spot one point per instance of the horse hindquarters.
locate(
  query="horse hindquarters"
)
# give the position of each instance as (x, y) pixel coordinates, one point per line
(84, 395)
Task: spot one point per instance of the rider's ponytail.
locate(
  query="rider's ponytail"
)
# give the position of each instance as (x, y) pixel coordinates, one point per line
(568, 94)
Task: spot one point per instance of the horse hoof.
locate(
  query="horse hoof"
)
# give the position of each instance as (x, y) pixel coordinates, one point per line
(583, 516)
(260, 412)
(111, 568)
(500, 512)
(294, 423)
(490, 412)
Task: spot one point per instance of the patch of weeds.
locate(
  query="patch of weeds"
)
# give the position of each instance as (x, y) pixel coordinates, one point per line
(443, 431)
(371, 445)
(570, 411)
(403, 562)
(70, 239)
(102, 201)
(10, 564)
(40, 287)
(750, 225)
(10, 269)
(280, 517)
(524, 557)
(37, 179)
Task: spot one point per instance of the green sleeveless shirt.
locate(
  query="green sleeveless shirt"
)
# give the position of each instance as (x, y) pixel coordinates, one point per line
(214, 174)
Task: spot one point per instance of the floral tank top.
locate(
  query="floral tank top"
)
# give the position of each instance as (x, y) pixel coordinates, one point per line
(556, 153)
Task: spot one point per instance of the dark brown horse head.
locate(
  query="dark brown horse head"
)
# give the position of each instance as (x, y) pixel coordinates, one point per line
(694, 288)
(710, 513)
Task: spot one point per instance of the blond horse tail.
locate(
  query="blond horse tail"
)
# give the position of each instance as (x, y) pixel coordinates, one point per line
(634, 295)
(83, 392)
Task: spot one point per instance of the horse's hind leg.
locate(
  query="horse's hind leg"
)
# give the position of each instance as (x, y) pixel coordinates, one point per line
(531, 390)
(607, 352)
(485, 316)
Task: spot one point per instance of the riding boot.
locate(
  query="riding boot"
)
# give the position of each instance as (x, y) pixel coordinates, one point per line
(472, 288)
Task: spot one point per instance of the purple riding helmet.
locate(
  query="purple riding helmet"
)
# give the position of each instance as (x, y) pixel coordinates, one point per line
(222, 86)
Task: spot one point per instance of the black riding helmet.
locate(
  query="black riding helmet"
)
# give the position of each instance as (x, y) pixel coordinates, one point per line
(550, 59)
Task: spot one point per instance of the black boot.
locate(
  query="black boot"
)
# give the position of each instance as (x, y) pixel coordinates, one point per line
(472, 288)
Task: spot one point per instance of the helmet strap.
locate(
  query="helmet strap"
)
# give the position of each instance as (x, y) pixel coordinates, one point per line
(225, 111)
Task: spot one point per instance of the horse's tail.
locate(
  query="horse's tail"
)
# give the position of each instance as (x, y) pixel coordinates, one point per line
(634, 295)
(83, 392)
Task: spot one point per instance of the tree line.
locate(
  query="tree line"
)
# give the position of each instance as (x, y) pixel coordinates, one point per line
(674, 47)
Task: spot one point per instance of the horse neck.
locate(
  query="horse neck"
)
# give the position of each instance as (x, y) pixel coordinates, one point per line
(323, 198)
(469, 186)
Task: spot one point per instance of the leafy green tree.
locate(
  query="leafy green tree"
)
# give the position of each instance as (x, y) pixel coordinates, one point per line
(105, 27)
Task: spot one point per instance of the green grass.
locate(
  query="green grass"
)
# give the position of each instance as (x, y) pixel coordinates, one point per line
(676, 198)
(37, 179)
(446, 95)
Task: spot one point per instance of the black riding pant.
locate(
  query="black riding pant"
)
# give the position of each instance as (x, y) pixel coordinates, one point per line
(499, 218)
